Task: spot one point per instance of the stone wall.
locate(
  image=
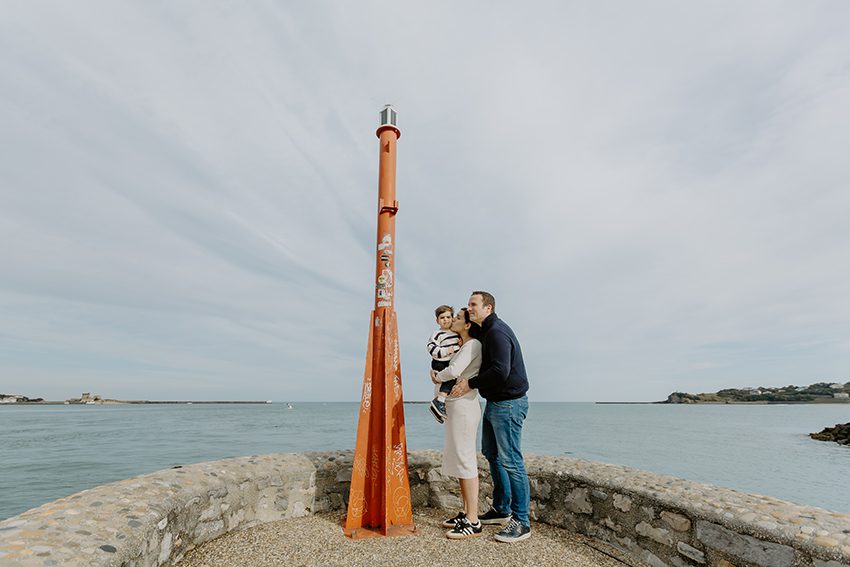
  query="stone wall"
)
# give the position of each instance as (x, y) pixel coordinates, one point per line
(657, 520)
(663, 520)
(154, 519)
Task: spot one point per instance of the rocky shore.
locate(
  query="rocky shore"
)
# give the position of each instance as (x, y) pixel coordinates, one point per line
(840, 434)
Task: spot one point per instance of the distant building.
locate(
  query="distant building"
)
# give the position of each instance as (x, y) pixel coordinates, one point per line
(841, 395)
(837, 386)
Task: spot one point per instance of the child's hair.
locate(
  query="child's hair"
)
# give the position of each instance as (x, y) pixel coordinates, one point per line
(442, 309)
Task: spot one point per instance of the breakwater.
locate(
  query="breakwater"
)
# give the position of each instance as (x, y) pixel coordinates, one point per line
(655, 519)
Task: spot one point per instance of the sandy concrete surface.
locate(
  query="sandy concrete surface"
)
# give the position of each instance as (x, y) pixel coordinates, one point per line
(318, 541)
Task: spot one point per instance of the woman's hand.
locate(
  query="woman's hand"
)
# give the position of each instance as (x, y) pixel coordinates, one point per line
(434, 377)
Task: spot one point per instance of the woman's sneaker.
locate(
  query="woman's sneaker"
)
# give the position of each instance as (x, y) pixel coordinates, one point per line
(464, 529)
(493, 517)
(514, 532)
(450, 523)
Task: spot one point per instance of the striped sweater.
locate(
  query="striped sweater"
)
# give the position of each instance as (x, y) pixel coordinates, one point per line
(441, 343)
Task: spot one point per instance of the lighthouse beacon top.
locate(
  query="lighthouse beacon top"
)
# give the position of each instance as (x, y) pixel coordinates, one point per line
(389, 120)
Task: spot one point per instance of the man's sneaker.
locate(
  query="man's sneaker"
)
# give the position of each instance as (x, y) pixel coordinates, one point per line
(514, 532)
(463, 530)
(450, 523)
(438, 408)
(493, 517)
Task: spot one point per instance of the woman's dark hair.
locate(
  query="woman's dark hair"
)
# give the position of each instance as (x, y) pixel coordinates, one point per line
(474, 328)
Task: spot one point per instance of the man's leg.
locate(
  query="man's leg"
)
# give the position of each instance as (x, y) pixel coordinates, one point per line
(507, 432)
(501, 482)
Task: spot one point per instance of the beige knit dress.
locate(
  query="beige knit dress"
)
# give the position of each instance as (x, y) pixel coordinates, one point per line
(460, 458)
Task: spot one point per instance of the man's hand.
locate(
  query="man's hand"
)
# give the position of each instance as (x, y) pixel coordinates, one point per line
(460, 389)
(434, 377)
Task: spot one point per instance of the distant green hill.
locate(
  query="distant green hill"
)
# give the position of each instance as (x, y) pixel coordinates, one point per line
(821, 392)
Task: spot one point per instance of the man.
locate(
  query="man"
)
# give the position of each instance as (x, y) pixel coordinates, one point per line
(502, 381)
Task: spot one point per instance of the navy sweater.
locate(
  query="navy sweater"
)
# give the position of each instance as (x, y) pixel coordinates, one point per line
(502, 375)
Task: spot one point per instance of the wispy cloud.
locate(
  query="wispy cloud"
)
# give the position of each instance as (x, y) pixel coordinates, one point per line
(656, 194)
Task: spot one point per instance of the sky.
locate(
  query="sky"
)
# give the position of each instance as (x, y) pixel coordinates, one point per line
(657, 193)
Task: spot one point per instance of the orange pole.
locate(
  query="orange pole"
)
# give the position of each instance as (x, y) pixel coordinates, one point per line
(379, 498)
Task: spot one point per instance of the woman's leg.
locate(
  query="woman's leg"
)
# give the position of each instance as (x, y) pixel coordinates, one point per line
(469, 492)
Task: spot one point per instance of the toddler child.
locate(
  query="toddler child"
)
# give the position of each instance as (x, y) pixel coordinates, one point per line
(441, 346)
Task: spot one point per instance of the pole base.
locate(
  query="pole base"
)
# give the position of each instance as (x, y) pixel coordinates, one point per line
(392, 531)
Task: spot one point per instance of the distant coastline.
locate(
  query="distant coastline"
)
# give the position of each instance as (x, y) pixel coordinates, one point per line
(88, 399)
(135, 402)
(818, 393)
(738, 403)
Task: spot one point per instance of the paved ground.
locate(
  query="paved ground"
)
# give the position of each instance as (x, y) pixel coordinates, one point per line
(317, 541)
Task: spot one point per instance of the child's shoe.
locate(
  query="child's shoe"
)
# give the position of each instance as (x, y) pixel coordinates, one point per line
(438, 410)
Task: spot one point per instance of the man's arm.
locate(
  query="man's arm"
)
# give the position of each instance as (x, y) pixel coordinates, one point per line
(499, 349)
(460, 389)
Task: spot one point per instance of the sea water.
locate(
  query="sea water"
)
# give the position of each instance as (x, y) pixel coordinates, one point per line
(47, 452)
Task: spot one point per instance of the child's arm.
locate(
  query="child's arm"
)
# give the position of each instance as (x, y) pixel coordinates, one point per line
(432, 344)
(437, 349)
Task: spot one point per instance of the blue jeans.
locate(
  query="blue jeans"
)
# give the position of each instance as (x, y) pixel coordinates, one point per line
(501, 438)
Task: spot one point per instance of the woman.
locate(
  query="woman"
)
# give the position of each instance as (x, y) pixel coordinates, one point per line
(460, 458)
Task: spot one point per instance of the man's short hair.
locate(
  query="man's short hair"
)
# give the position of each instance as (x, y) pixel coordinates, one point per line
(486, 298)
(442, 309)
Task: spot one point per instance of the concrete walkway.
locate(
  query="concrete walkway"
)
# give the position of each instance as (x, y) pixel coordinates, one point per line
(317, 541)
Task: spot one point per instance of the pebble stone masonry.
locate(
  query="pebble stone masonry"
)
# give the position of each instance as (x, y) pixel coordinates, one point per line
(651, 519)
